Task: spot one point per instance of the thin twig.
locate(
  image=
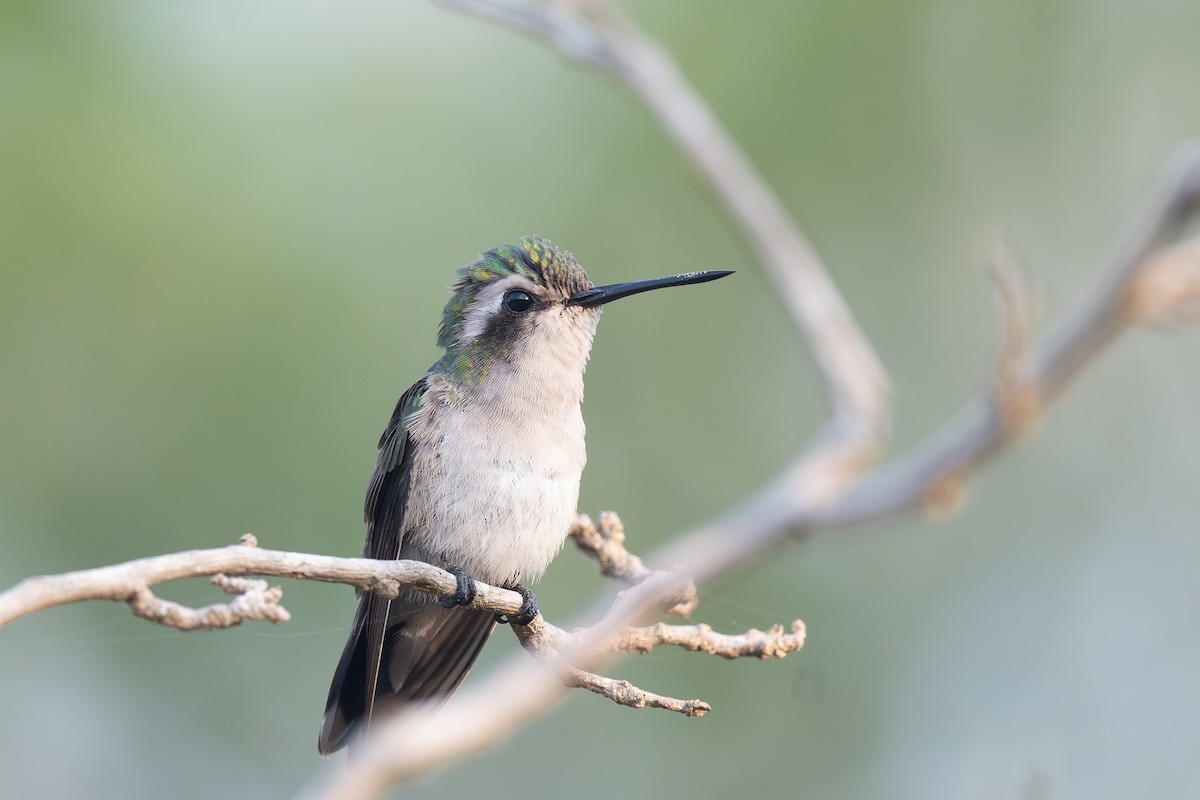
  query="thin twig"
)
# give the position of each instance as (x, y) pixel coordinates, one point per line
(253, 599)
(772, 643)
(626, 694)
(606, 544)
(547, 643)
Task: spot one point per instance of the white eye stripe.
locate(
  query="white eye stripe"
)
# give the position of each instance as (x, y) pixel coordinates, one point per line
(489, 303)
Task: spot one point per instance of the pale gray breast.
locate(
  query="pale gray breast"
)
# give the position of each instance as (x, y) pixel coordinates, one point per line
(496, 476)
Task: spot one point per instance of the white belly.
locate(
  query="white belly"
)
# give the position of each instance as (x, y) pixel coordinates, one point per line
(495, 498)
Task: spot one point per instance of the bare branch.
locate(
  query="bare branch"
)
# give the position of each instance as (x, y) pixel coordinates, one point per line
(255, 599)
(130, 583)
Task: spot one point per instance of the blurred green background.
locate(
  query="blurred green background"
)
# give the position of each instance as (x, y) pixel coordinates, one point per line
(226, 230)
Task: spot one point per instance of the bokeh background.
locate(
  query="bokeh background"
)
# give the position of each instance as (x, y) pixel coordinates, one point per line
(226, 230)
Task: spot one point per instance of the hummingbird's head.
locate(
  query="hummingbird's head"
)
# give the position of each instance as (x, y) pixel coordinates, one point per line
(499, 297)
(531, 295)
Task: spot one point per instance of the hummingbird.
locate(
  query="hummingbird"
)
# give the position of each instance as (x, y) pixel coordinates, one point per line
(477, 473)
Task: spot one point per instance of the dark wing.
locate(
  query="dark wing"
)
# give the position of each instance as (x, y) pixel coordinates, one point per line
(352, 693)
(388, 489)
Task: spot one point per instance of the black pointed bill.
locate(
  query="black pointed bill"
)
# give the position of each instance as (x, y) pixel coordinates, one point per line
(599, 295)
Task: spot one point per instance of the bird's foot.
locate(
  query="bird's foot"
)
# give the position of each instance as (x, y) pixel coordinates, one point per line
(528, 609)
(465, 592)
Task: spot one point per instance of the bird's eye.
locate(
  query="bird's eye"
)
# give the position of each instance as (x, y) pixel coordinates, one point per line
(517, 301)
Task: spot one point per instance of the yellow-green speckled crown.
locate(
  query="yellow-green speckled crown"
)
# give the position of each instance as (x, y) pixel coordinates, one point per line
(532, 256)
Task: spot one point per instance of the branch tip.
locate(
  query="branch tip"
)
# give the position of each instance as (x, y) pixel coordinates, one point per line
(624, 693)
(1168, 289)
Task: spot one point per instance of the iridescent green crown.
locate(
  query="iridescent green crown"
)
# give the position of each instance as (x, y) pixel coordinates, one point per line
(534, 257)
